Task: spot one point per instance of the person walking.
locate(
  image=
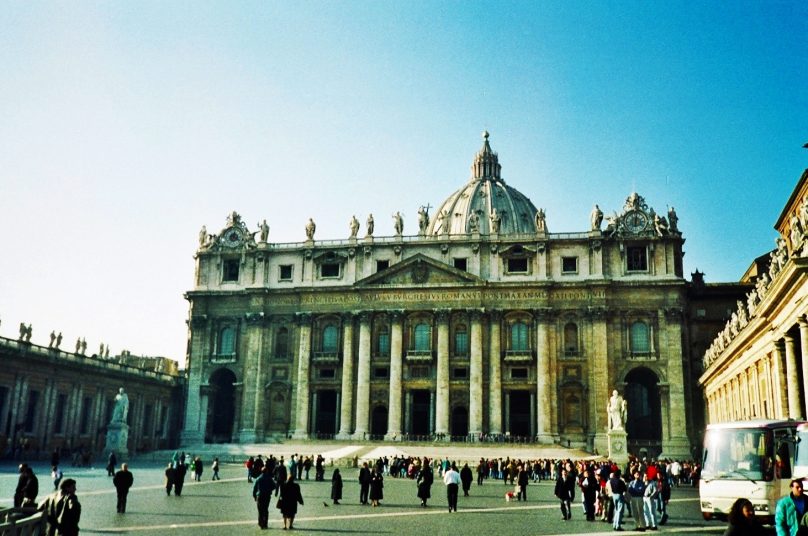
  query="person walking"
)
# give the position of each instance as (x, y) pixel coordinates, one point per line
(649, 501)
(466, 477)
(31, 488)
(21, 480)
(336, 486)
(199, 467)
(112, 461)
(376, 486)
(452, 480)
(617, 489)
(62, 510)
(122, 481)
(424, 482)
(364, 483)
(215, 469)
(262, 495)
(56, 475)
(170, 475)
(565, 491)
(742, 520)
(290, 497)
(790, 510)
(522, 480)
(636, 489)
(179, 478)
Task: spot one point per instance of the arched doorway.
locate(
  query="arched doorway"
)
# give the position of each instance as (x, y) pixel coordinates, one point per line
(378, 421)
(460, 422)
(644, 419)
(221, 406)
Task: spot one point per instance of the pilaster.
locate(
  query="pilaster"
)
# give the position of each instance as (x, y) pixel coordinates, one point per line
(476, 376)
(544, 388)
(442, 383)
(302, 383)
(396, 366)
(252, 377)
(346, 402)
(495, 368)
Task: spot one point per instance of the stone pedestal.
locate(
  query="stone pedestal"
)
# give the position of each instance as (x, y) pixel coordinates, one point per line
(117, 439)
(618, 447)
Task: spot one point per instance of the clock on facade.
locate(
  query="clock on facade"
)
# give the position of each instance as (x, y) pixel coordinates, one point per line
(635, 221)
(232, 238)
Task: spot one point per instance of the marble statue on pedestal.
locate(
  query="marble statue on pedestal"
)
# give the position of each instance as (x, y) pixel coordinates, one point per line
(117, 429)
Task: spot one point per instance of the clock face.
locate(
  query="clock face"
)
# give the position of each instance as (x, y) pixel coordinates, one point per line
(636, 221)
(232, 238)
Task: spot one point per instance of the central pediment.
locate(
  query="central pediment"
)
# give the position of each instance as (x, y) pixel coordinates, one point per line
(417, 271)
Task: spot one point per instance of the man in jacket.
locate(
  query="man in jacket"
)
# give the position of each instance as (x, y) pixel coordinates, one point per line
(364, 483)
(62, 510)
(452, 480)
(123, 480)
(617, 488)
(262, 494)
(565, 491)
(790, 511)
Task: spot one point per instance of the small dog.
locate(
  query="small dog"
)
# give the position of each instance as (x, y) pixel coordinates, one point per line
(509, 496)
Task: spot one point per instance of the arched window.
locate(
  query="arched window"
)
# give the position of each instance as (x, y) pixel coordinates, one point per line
(383, 341)
(571, 339)
(461, 342)
(640, 338)
(422, 335)
(227, 341)
(282, 343)
(519, 333)
(330, 336)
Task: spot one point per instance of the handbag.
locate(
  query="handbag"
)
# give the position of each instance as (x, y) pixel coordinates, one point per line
(279, 504)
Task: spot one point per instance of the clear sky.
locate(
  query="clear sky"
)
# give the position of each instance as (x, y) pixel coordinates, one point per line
(126, 126)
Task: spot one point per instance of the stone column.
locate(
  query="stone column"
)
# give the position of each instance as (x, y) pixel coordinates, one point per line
(476, 376)
(252, 362)
(261, 381)
(804, 349)
(408, 412)
(495, 364)
(507, 413)
(442, 383)
(396, 366)
(363, 378)
(543, 386)
(196, 415)
(677, 444)
(600, 382)
(780, 394)
(346, 403)
(302, 381)
(794, 391)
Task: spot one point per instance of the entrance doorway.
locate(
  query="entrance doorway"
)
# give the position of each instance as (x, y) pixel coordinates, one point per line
(420, 412)
(519, 422)
(378, 421)
(221, 406)
(644, 419)
(326, 416)
(460, 422)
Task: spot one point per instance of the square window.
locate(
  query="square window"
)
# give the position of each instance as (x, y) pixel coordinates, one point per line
(328, 373)
(381, 373)
(460, 373)
(569, 265)
(519, 373)
(517, 266)
(285, 272)
(637, 259)
(230, 270)
(460, 264)
(329, 269)
(382, 265)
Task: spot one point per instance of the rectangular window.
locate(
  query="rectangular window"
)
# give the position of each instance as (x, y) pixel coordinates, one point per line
(419, 372)
(460, 373)
(460, 264)
(518, 373)
(381, 373)
(230, 270)
(285, 272)
(147, 421)
(517, 266)
(84, 421)
(329, 269)
(637, 259)
(384, 344)
(59, 417)
(161, 410)
(30, 414)
(328, 373)
(461, 343)
(569, 265)
(382, 265)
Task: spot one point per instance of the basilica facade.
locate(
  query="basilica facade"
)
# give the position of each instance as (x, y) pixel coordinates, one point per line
(480, 325)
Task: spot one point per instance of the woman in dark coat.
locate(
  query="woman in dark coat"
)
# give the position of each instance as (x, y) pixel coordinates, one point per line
(336, 486)
(466, 478)
(742, 520)
(376, 486)
(425, 479)
(290, 497)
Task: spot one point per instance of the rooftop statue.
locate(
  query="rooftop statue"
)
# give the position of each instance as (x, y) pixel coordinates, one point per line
(673, 220)
(354, 225)
(423, 218)
(541, 221)
(596, 218)
(310, 228)
(370, 224)
(495, 221)
(264, 231)
(398, 223)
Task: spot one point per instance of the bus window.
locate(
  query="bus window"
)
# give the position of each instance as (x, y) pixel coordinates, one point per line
(783, 461)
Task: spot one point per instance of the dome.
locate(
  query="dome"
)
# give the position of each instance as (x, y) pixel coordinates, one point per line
(483, 198)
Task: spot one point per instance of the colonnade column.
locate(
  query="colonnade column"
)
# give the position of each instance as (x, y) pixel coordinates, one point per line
(601, 383)
(495, 387)
(543, 374)
(804, 348)
(363, 378)
(442, 383)
(779, 373)
(394, 406)
(794, 391)
(252, 362)
(346, 403)
(476, 376)
(196, 413)
(302, 383)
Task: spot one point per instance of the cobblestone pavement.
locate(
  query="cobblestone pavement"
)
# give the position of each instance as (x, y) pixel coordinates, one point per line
(226, 507)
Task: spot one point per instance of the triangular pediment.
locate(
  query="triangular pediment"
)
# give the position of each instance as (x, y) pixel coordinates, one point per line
(417, 271)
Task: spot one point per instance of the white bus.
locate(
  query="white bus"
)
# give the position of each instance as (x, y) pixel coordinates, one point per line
(750, 459)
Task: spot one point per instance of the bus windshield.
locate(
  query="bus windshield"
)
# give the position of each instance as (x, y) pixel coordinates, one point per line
(801, 460)
(738, 454)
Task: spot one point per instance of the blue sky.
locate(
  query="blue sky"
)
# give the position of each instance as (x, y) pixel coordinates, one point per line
(126, 126)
